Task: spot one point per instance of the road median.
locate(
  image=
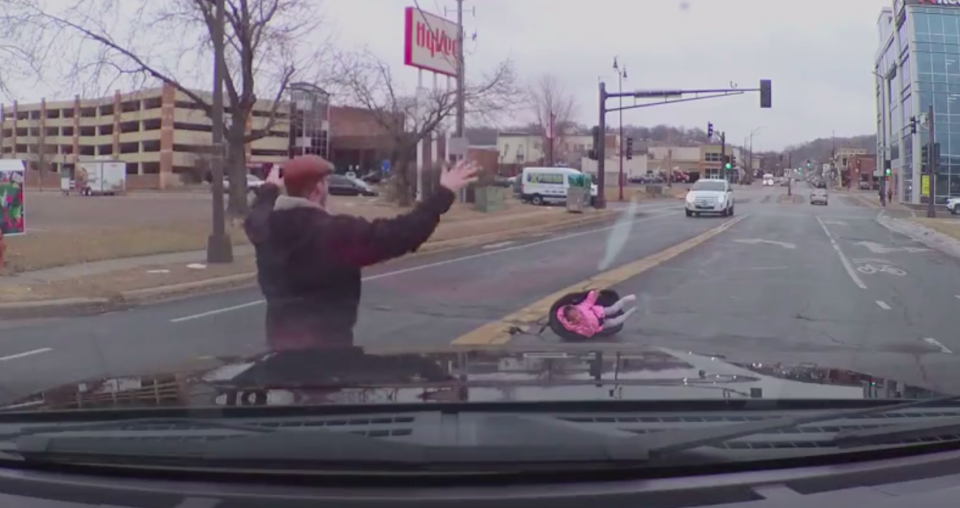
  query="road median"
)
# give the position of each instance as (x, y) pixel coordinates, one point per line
(25, 296)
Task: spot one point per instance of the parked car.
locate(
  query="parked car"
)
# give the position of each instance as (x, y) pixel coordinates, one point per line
(253, 184)
(341, 185)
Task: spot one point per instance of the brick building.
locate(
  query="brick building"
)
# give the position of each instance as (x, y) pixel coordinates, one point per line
(157, 132)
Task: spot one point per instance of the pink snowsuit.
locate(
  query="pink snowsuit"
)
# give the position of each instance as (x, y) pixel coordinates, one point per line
(591, 316)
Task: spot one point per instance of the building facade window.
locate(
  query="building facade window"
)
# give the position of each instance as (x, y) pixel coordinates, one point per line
(937, 57)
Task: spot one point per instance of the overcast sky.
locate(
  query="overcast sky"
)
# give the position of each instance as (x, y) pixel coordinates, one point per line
(819, 54)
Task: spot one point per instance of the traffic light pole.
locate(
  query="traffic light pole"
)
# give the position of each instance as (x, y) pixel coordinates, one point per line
(600, 149)
(723, 155)
(669, 97)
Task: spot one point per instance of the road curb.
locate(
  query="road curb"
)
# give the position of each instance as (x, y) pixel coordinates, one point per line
(928, 237)
(58, 307)
(71, 307)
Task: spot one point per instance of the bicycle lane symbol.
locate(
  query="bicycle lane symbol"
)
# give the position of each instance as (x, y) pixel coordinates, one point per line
(870, 266)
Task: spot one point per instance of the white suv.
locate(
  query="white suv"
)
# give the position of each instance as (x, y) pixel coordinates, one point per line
(712, 196)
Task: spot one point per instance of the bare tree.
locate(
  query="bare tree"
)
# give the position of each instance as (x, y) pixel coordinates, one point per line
(270, 43)
(18, 63)
(553, 105)
(407, 118)
(42, 155)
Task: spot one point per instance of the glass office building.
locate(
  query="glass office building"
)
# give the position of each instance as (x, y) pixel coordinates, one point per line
(918, 65)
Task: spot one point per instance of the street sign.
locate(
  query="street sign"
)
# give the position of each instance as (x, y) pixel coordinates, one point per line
(385, 166)
(878, 172)
(457, 146)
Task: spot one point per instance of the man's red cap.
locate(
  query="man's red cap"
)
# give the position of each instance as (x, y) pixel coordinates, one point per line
(302, 174)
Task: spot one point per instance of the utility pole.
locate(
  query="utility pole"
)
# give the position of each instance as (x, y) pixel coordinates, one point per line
(932, 165)
(461, 73)
(601, 149)
(219, 247)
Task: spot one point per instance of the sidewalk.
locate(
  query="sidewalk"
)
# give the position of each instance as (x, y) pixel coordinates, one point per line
(872, 199)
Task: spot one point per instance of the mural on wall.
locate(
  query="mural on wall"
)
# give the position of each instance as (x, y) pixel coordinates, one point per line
(11, 202)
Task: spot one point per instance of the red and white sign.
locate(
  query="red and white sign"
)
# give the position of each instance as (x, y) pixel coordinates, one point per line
(430, 42)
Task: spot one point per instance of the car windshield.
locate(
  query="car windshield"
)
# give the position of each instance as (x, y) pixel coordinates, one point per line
(344, 225)
(708, 185)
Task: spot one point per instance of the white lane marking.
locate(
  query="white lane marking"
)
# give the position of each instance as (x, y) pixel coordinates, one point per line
(957, 297)
(936, 343)
(883, 305)
(417, 268)
(755, 241)
(25, 354)
(216, 311)
(843, 258)
(497, 245)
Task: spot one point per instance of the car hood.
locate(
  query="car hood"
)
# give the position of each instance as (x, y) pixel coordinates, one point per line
(508, 373)
(699, 194)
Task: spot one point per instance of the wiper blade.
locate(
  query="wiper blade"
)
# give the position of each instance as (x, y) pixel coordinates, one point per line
(495, 439)
(115, 424)
(893, 433)
(679, 441)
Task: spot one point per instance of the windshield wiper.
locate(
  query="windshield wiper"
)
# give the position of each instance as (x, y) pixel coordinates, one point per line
(115, 424)
(682, 440)
(489, 439)
(893, 433)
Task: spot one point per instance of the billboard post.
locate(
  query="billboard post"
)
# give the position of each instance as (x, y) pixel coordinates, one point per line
(432, 44)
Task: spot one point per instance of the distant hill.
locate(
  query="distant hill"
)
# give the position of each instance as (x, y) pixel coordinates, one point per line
(820, 149)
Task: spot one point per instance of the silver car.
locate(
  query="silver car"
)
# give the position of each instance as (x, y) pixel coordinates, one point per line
(818, 197)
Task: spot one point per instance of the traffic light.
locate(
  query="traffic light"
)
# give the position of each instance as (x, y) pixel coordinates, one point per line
(913, 125)
(594, 153)
(727, 165)
(709, 130)
(808, 164)
(887, 172)
(924, 156)
(629, 148)
(733, 161)
(766, 93)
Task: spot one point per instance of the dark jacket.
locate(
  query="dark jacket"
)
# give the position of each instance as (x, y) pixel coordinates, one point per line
(309, 262)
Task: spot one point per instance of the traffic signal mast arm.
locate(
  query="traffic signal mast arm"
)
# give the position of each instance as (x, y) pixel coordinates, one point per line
(675, 96)
(665, 97)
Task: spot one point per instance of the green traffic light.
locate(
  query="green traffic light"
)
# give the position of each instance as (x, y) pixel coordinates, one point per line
(729, 166)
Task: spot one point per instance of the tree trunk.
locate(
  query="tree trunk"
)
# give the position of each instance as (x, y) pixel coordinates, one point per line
(235, 169)
(403, 179)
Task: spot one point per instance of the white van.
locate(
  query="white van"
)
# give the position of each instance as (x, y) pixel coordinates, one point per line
(768, 180)
(542, 185)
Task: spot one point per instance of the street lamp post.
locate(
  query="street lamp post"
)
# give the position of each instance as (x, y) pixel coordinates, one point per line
(621, 75)
(219, 247)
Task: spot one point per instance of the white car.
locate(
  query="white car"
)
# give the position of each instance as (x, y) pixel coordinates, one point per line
(953, 205)
(710, 196)
(253, 183)
(818, 197)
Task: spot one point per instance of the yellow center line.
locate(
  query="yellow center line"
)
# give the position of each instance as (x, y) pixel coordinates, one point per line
(498, 332)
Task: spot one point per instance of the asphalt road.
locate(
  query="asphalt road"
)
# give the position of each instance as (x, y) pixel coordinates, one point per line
(787, 282)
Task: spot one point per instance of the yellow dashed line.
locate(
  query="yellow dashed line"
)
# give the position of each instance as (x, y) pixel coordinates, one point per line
(498, 332)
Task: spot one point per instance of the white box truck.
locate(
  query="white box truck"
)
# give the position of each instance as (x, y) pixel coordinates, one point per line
(101, 178)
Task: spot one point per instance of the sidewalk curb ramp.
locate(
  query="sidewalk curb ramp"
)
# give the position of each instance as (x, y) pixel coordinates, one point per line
(73, 307)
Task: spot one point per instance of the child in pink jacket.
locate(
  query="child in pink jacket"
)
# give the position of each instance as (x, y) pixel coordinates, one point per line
(587, 318)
